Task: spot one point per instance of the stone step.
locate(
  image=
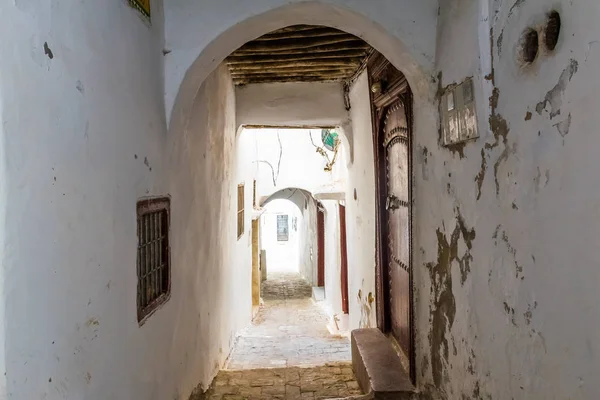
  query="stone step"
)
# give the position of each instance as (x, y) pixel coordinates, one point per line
(378, 368)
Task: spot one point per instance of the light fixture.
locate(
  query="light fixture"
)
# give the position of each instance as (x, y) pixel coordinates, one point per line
(376, 87)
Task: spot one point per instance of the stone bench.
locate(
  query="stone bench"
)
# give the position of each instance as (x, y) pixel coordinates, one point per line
(378, 368)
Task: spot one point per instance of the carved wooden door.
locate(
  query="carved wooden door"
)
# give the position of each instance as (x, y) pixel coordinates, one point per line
(397, 213)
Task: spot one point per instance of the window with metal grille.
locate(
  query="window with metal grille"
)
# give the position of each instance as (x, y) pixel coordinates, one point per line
(254, 194)
(153, 259)
(282, 228)
(240, 211)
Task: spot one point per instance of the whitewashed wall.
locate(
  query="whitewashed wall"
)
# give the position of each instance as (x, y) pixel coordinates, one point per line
(211, 297)
(505, 252)
(360, 210)
(286, 158)
(291, 104)
(282, 256)
(83, 136)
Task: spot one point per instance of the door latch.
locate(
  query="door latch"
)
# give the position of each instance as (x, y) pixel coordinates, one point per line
(392, 202)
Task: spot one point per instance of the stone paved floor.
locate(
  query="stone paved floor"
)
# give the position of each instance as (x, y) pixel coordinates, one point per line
(288, 331)
(287, 353)
(314, 383)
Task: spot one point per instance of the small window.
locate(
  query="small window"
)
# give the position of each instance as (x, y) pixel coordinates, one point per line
(254, 194)
(282, 228)
(240, 211)
(153, 258)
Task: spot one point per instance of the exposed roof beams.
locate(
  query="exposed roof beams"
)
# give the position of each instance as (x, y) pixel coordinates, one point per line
(301, 53)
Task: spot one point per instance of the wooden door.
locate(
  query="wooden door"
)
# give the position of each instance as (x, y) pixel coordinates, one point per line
(320, 248)
(397, 215)
(391, 107)
(344, 260)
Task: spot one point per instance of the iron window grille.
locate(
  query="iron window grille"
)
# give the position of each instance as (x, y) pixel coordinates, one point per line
(240, 210)
(153, 255)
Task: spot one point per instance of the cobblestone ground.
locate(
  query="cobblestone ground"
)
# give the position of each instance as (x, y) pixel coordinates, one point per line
(288, 331)
(287, 353)
(325, 382)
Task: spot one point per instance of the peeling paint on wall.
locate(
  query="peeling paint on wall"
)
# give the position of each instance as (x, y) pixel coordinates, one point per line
(511, 250)
(553, 97)
(443, 307)
(481, 175)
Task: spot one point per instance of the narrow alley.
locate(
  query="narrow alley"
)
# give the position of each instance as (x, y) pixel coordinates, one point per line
(290, 330)
(287, 352)
(299, 199)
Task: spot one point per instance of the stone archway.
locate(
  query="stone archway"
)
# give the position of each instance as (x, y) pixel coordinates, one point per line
(188, 67)
(307, 205)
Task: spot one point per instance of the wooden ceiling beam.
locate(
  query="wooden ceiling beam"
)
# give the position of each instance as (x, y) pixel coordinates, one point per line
(295, 28)
(296, 44)
(332, 72)
(309, 33)
(299, 65)
(353, 45)
(358, 54)
(250, 81)
(301, 53)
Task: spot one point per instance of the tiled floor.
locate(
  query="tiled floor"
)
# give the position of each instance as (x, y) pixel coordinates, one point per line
(289, 330)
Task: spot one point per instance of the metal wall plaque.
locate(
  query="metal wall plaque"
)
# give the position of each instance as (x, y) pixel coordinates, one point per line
(457, 108)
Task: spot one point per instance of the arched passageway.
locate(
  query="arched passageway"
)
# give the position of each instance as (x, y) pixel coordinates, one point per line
(353, 283)
(285, 62)
(109, 115)
(293, 327)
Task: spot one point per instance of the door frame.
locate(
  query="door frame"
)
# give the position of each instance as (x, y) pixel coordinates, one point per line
(320, 247)
(344, 260)
(399, 90)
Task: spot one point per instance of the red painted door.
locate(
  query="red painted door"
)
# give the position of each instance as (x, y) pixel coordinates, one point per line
(344, 259)
(321, 248)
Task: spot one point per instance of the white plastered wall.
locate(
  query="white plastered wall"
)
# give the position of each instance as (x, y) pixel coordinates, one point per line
(524, 314)
(360, 210)
(515, 314)
(283, 256)
(83, 132)
(211, 266)
(291, 104)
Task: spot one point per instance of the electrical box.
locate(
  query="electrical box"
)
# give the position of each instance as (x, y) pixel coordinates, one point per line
(457, 109)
